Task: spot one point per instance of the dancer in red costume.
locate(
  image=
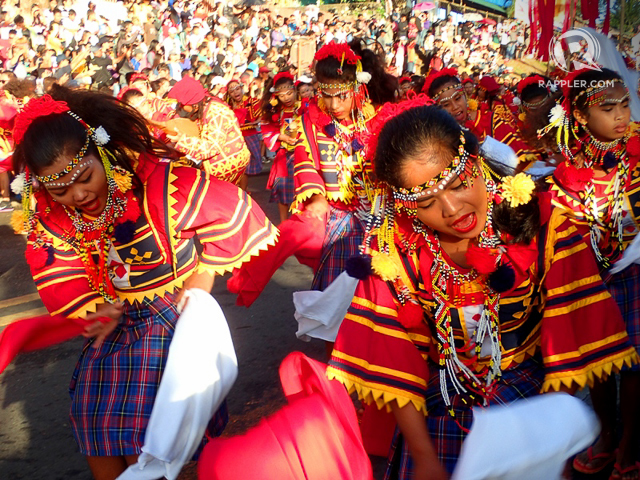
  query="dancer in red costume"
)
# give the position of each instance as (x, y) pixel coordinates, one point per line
(598, 184)
(247, 111)
(111, 239)
(281, 122)
(479, 293)
(219, 149)
(445, 88)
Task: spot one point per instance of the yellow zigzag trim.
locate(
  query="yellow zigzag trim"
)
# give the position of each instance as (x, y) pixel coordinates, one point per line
(600, 371)
(379, 396)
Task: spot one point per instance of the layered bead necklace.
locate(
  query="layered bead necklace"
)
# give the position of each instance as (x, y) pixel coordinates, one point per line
(608, 216)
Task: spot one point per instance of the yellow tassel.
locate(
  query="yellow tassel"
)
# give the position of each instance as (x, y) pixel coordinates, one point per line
(472, 104)
(385, 266)
(273, 101)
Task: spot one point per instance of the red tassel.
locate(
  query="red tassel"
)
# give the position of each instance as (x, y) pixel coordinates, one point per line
(633, 146)
(410, 315)
(132, 212)
(483, 260)
(36, 257)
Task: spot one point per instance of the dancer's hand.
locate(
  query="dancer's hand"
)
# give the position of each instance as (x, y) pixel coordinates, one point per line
(317, 206)
(98, 328)
(202, 280)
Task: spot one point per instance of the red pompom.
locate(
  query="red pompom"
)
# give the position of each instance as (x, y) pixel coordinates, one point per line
(532, 80)
(132, 212)
(36, 256)
(483, 260)
(633, 146)
(410, 315)
(572, 177)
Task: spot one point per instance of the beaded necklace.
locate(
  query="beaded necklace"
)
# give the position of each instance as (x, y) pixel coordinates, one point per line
(445, 287)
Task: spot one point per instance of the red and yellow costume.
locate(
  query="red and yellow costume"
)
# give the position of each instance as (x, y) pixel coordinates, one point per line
(558, 327)
(500, 123)
(179, 204)
(220, 149)
(248, 113)
(287, 122)
(330, 161)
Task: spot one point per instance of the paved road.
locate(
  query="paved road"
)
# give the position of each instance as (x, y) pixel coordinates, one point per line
(35, 437)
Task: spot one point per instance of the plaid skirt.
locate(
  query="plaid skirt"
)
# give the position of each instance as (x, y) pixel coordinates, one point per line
(520, 382)
(342, 240)
(283, 189)
(255, 163)
(624, 287)
(114, 386)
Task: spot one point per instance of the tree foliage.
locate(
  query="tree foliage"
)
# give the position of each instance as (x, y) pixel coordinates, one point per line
(631, 15)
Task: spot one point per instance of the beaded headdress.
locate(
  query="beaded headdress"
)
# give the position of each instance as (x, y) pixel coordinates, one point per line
(118, 216)
(446, 72)
(343, 53)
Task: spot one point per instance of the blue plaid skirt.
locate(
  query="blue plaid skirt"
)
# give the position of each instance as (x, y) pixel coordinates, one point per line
(624, 287)
(283, 189)
(520, 382)
(342, 240)
(255, 163)
(114, 386)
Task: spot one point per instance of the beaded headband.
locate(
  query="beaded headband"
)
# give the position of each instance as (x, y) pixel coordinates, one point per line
(457, 88)
(73, 177)
(595, 95)
(534, 104)
(460, 167)
(99, 136)
(343, 89)
(45, 106)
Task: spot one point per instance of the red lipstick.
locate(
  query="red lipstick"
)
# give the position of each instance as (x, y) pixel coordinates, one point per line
(466, 223)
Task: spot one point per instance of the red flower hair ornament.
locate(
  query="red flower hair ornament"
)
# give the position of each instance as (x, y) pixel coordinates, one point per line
(36, 108)
(340, 51)
(451, 72)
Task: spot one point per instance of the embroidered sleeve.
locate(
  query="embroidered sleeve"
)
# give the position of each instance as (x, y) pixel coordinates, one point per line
(220, 147)
(228, 223)
(306, 175)
(64, 285)
(375, 356)
(583, 335)
(503, 129)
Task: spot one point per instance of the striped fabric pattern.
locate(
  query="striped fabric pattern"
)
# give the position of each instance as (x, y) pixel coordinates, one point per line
(113, 387)
(625, 290)
(283, 187)
(253, 144)
(344, 235)
(561, 312)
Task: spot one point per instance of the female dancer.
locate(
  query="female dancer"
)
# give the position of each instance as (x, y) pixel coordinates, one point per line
(479, 287)
(219, 149)
(598, 185)
(280, 132)
(444, 88)
(331, 176)
(111, 239)
(247, 111)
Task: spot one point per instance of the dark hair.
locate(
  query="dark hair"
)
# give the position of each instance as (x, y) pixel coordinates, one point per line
(131, 94)
(52, 136)
(413, 131)
(383, 85)
(540, 117)
(535, 89)
(327, 69)
(268, 109)
(440, 82)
